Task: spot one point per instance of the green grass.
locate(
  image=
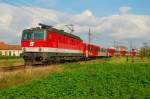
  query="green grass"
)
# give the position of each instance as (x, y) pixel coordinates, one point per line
(116, 60)
(97, 79)
(9, 57)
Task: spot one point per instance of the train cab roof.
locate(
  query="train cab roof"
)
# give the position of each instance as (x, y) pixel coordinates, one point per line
(51, 29)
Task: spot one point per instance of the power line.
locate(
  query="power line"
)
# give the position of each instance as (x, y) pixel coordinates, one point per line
(26, 8)
(22, 7)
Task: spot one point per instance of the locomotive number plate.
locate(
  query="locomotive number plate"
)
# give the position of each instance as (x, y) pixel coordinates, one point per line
(31, 43)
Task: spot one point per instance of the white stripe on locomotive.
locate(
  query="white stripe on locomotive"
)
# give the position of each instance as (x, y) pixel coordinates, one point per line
(48, 49)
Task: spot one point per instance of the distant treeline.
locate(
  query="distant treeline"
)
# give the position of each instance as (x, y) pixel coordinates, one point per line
(145, 52)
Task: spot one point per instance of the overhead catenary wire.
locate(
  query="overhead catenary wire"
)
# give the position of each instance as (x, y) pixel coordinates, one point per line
(22, 7)
(26, 7)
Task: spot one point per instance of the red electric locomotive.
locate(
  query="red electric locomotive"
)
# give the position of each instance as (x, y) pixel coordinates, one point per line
(46, 44)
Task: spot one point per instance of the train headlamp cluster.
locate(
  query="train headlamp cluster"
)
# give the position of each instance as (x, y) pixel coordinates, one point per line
(24, 49)
(40, 49)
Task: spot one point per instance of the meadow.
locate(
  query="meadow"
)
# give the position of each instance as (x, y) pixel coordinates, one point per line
(97, 79)
(6, 61)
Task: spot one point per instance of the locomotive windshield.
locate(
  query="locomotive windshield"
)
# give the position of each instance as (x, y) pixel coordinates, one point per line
(33, 36)
(27, 36)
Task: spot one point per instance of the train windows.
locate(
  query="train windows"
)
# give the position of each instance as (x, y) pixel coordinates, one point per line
(33, 36)
(38, 36)
(27, 36)
(102, 50)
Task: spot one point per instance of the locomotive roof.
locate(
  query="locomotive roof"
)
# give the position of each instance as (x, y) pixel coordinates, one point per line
(62, 32)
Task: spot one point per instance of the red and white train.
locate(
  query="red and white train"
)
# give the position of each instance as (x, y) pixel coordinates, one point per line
(45, 44)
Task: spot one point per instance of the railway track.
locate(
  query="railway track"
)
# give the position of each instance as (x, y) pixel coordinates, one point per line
(12, 68)
(21, 67)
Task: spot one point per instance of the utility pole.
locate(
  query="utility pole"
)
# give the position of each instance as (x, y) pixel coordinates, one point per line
(89, 36)
(88, 47)
(131, 51)
(114, 43)
(130, 45)
(116, 47)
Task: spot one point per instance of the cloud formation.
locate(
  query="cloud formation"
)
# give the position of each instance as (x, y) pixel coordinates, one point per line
(121, 26)
(125, 10)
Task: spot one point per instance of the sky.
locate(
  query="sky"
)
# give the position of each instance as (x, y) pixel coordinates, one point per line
(119, 21)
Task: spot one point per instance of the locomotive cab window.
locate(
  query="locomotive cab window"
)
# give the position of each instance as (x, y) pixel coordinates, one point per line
(34, 36)
(27, 36)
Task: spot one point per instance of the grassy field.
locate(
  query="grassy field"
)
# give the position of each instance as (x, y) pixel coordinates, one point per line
(10, 61)
(102, 78)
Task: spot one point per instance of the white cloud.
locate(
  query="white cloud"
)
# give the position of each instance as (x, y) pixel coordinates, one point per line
(121, 26)
(125, 26)
(5, 19)
(125, 10)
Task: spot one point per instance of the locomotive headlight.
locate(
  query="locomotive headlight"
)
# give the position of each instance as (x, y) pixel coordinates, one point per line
(24, 49)
(40, 49)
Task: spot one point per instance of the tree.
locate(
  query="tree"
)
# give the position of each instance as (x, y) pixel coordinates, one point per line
(145, 51)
